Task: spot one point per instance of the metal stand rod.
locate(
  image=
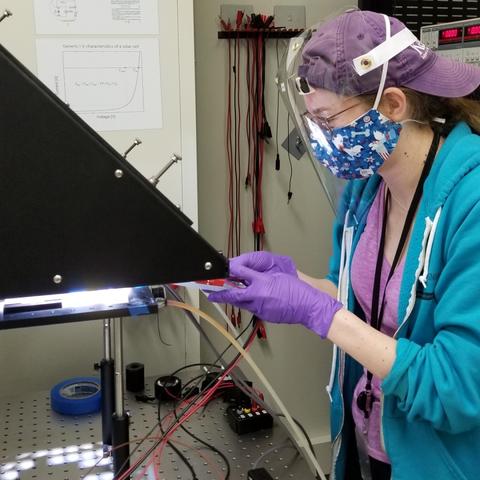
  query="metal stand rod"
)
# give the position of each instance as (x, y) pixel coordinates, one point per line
(118, 349)
(5, 14)
(107, 376)
(120, 433)
(107, 341)
(156, 178)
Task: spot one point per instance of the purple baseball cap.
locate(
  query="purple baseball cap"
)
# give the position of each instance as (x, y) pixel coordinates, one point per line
(328, 60)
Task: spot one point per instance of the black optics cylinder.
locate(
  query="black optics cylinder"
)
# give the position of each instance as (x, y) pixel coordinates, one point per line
(107, 375)
(135, 377)
(168, 388)
(120, 436)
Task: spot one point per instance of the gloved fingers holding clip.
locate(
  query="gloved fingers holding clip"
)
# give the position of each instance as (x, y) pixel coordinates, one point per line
(280, 298)
(265, 262)
(239, 297)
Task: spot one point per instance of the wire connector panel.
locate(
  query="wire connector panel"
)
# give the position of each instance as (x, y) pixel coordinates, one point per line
(245, 420)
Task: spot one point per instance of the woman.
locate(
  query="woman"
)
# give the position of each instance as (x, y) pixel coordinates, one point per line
(391, 116)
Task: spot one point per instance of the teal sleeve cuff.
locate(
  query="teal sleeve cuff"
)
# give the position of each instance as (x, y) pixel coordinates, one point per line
(396, 382)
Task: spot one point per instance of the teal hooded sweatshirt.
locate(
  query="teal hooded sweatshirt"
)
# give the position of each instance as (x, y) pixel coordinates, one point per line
(431, 397)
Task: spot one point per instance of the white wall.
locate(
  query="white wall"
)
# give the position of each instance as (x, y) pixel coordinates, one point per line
(36, 358)
(296, 361)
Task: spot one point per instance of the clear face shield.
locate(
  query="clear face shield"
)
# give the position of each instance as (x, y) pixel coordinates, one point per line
(292, 90)
(345, 135)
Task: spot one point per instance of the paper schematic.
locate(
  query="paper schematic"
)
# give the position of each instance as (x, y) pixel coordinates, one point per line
(109, 17)
(113, 84)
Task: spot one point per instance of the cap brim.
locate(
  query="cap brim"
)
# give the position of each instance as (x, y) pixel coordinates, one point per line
(447, 78)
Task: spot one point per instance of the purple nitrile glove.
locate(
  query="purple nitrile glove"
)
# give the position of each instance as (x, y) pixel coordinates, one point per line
(281, 298)
(266, 262)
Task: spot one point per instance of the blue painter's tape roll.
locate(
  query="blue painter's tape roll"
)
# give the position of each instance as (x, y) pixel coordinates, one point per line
(76, 396)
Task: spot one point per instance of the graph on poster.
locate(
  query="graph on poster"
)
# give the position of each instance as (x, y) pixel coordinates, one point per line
(112, 84)
(104, 81)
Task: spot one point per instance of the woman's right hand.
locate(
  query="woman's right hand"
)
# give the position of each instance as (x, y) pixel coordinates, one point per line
(265, 262)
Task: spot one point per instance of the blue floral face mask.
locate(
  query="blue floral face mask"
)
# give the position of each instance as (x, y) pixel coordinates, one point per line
(357, 150)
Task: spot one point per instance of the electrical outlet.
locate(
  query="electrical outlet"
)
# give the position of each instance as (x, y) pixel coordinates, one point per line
(293, 143)
(290, 16)
(229, 12)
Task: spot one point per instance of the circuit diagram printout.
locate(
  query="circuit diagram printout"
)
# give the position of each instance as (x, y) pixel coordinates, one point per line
(113, 84)
(110, 17)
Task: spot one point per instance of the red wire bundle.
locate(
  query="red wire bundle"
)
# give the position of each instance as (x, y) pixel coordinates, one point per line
(192, 409)
(255, 131)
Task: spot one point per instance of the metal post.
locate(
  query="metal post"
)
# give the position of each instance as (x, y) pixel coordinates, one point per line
(107, 342)
(156, 178)
(5, 14)
(107, 375)
(118, 346)
(120, 434)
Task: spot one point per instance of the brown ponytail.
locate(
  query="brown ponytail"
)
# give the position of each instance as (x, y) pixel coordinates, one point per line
(425, 108)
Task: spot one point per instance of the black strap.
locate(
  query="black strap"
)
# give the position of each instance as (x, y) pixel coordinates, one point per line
(376, 317)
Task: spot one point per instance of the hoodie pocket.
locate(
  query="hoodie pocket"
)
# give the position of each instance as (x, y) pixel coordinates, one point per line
(445, 456)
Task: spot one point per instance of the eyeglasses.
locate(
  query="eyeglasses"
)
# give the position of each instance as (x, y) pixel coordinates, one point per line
(323, 122)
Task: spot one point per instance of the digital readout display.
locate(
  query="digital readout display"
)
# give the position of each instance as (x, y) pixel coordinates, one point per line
(472, 32)
(450, 35)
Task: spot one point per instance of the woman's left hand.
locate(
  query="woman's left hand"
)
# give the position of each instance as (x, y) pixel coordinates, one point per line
(281, 298)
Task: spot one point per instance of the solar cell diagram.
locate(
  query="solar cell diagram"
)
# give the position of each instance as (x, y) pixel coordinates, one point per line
(103, 81)
(64, 10)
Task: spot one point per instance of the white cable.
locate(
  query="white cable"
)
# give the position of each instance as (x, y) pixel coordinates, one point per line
(295, 432)
(224, 316)
(269, 451)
